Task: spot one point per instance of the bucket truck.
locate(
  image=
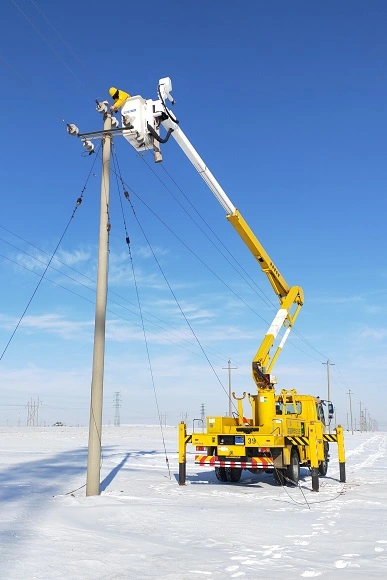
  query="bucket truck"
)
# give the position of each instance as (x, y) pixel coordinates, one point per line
(283, 431)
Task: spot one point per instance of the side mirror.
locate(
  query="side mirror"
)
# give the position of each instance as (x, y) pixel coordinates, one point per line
(331, 411)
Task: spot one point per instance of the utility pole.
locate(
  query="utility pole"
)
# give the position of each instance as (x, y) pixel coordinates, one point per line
(361, 426)
(95, 425)
(202, 415)
(350, 408)
(328, 363)
(229, 367)
(117, 405)
(365, 420)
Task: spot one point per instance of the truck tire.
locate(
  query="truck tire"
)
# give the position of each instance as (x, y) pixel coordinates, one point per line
(323, 465)
(220, 473)
(233, 474)
(292, 472)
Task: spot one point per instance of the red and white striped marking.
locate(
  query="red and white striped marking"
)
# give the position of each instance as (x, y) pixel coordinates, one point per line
(253, 463)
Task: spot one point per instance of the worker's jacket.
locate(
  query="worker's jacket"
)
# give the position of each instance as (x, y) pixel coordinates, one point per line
(120, 100)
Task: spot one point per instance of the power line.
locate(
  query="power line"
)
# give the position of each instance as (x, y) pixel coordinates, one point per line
(53, 50)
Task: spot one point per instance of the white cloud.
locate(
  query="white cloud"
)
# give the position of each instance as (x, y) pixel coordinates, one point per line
(373, 333)
(145, 252)
(78, 256)
(55, 324)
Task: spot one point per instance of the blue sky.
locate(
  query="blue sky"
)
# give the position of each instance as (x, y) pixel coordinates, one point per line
(286, 103)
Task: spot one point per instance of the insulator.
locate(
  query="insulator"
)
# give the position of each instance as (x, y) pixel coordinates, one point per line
(88, 145)
(72, 129)
(126, 194)
(127, 240)
(114, 122)
(127, 121)
(102, 106)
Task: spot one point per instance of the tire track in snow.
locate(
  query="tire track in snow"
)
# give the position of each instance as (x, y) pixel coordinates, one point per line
(373, 455)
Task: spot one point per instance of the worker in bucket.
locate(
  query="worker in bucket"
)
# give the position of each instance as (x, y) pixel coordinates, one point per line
(119, 98)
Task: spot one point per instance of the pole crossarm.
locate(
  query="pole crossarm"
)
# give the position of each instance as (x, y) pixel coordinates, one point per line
(99, 134)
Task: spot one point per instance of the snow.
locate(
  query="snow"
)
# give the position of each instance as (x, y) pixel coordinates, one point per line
(144, 525)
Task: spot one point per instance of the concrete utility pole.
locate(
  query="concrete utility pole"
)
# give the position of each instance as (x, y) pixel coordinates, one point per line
(350, 408)
(328, 363)
(361, 426)
(230, 368)
(203, 415)
(95, 426)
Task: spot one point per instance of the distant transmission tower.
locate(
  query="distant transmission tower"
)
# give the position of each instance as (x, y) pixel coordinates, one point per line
(33, 412)
(117, 405)
(202, 413)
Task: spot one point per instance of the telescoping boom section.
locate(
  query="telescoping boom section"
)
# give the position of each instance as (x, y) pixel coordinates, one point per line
(284, 431)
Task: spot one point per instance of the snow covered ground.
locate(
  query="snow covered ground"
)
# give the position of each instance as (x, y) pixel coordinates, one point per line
(144, 525)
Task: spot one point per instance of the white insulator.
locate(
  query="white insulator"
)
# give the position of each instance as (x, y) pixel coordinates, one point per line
(102, 107)
(88, 145)
(72, 129)
(127, 120)
(114, 122)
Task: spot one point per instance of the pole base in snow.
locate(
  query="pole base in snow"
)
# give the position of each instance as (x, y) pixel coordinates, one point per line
(315, 479)
(342, 472)
(182, 473)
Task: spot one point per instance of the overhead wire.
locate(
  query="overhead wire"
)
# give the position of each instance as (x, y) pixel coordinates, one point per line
(236, 266)
(77, 204)
(208, 267)
(93, 302)
(143, 326)
(53, 50)
(127, 197)
(178, 334)
(263, 297)
(43, 14)
(31, 87)
(262, 294)
(64, 63)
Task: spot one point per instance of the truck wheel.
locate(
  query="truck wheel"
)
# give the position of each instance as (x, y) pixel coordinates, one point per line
(323, 465)
(220, 473)
(233, 474)
(292, 472)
